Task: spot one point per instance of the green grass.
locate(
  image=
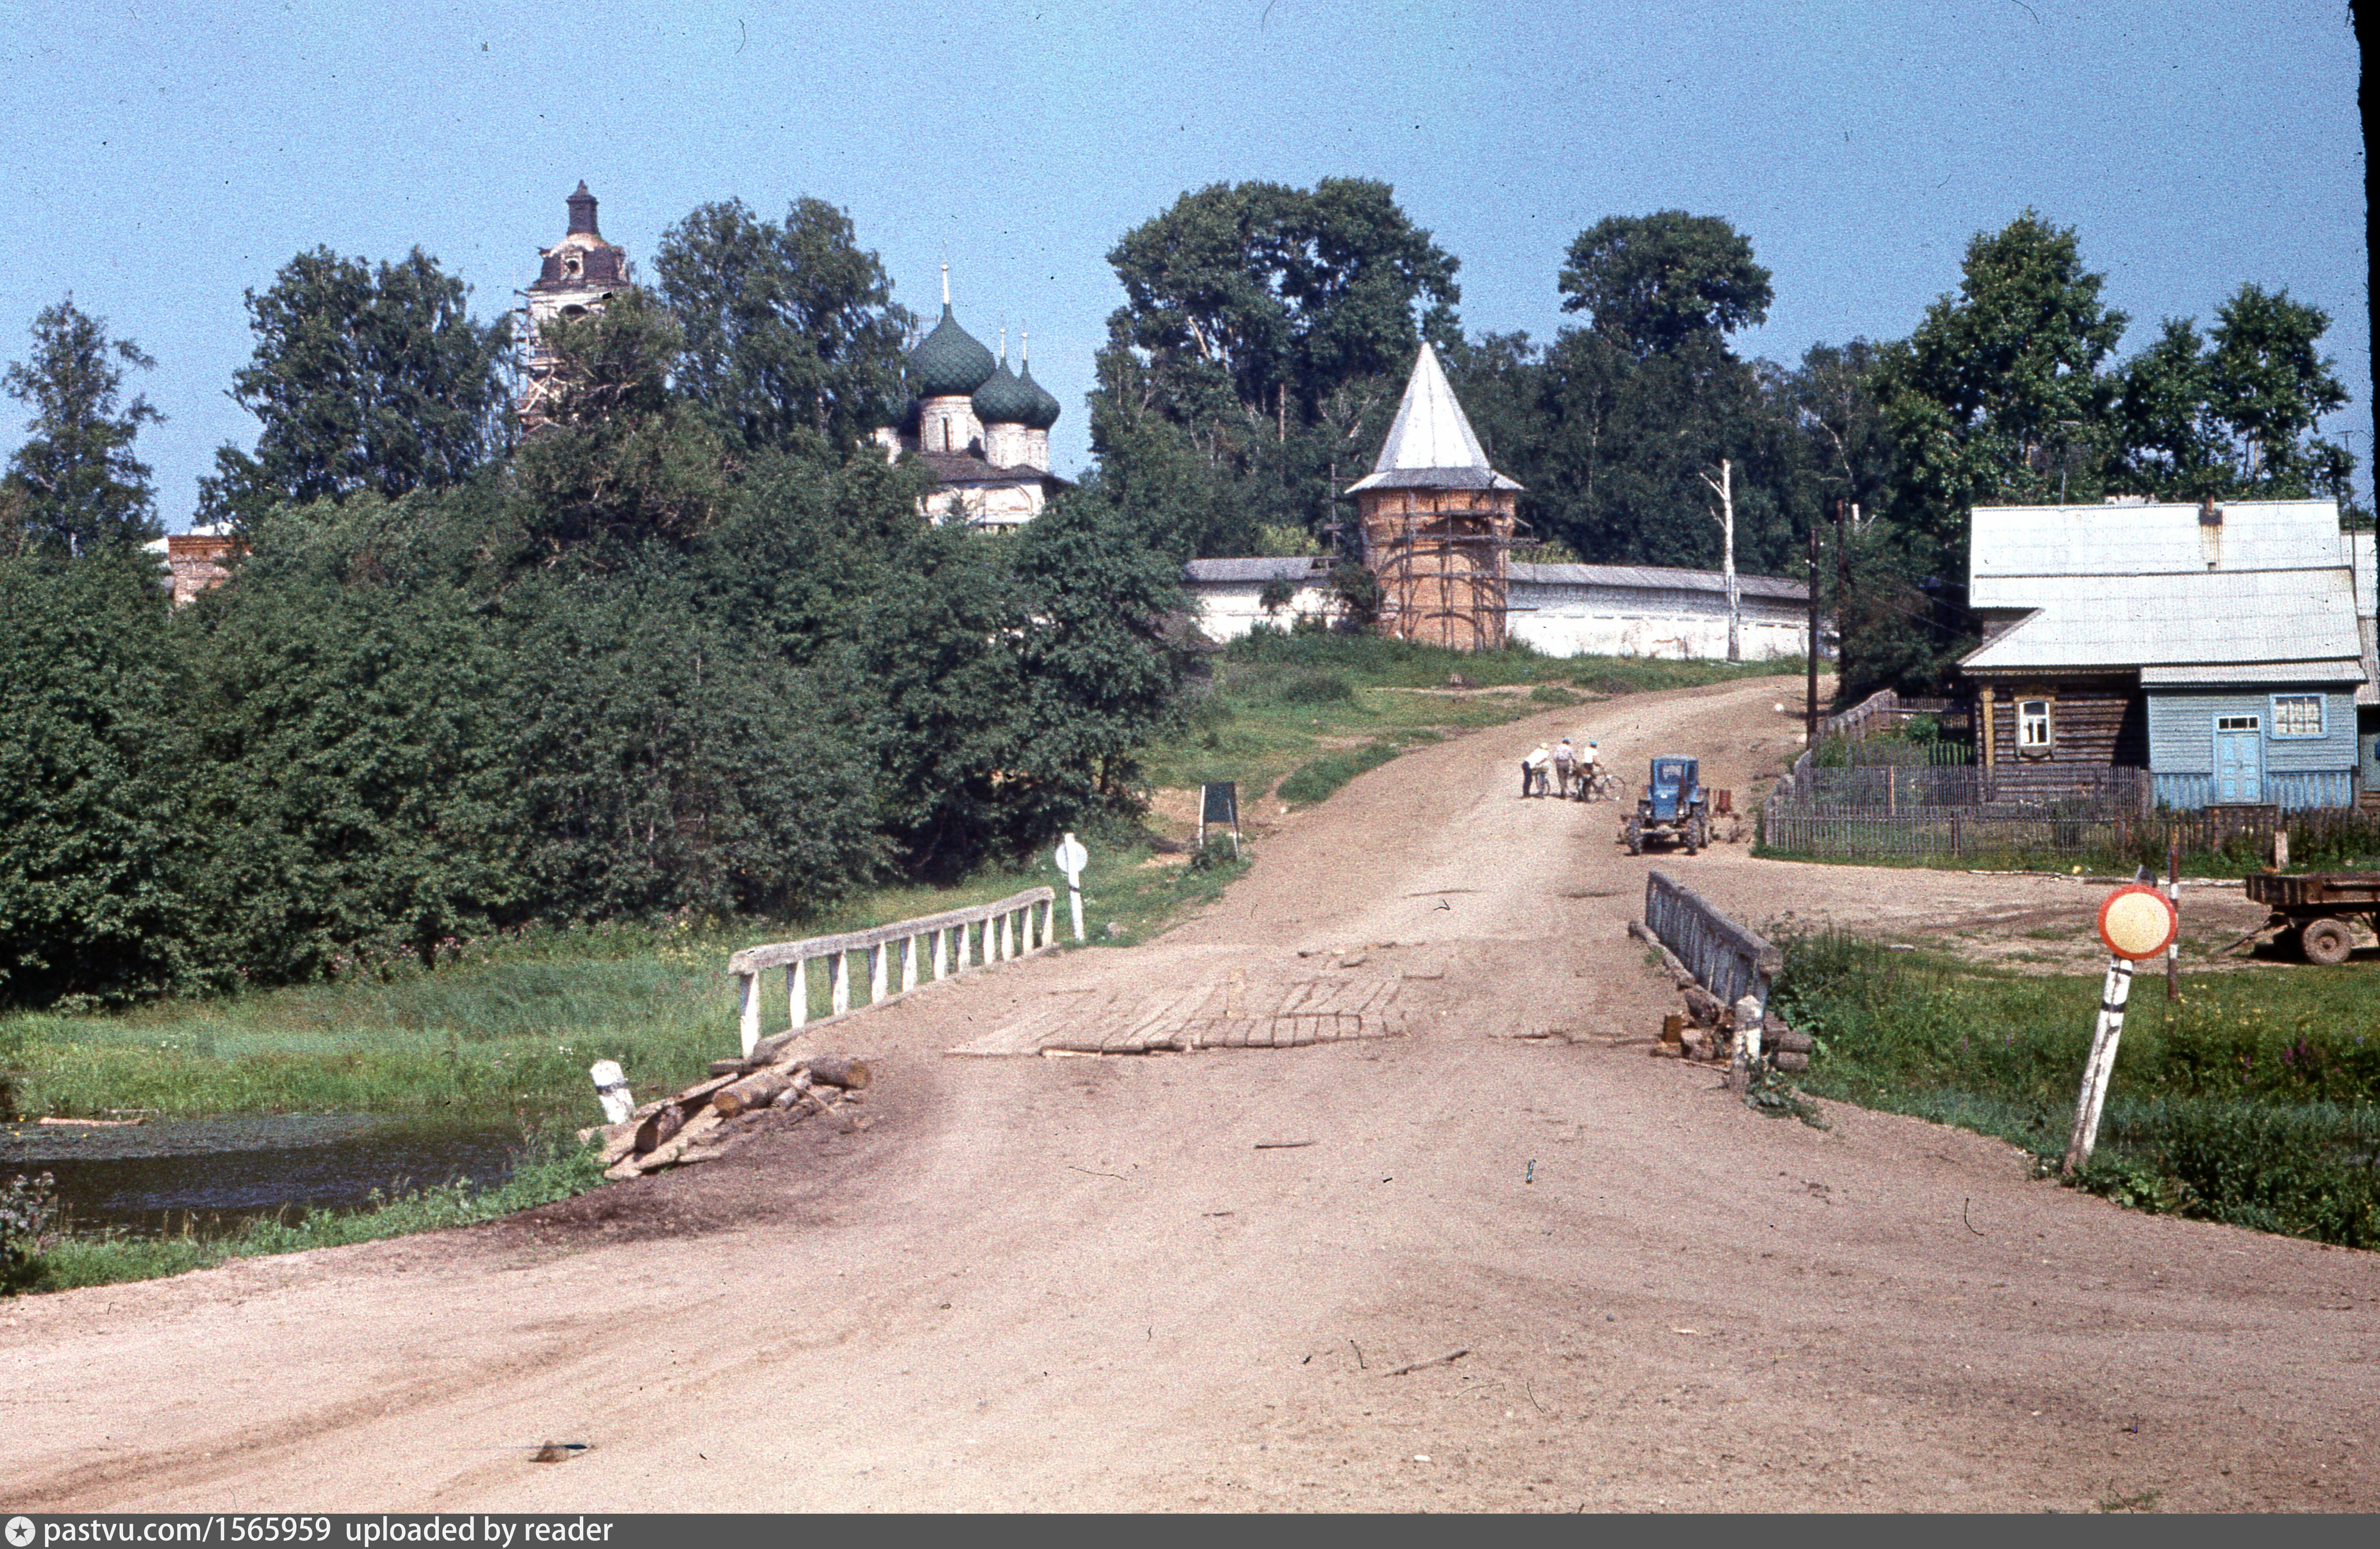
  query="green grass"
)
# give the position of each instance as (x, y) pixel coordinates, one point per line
(2255, 1101)
(1300, 707)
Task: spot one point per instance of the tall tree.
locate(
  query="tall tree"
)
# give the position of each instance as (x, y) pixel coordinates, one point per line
(2269, 387)
(1267, 325)
(363, 378)
(790, 329)
(75, 486)
(2000, 394)
(1648, 397)
(1653, 283)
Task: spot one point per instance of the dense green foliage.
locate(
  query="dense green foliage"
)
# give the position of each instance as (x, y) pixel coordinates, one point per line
(363, 378)
(672, 656)
(791, 331)
(2255, 1101)
(1259, 351)
(75, 487)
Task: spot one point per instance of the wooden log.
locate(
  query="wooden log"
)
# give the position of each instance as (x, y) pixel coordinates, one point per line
(1702, 1006)
(1787, 1040)
(1788, 1059)
(756, 1090)
(839, 1070)
(656, 1129)
(670, 1149)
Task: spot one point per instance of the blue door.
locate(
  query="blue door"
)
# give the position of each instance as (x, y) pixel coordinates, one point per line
(2238, 760)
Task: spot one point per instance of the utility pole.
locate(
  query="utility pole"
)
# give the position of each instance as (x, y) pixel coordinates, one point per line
(1724, 487)
(1811, 735)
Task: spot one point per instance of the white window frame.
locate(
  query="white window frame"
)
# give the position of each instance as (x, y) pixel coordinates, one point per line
(2321, 717)
(2027, 721)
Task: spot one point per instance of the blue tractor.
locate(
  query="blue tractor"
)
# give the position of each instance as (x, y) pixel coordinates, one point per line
(1673, 810)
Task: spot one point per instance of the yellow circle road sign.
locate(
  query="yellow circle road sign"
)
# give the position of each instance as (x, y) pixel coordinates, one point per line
(2137, 922)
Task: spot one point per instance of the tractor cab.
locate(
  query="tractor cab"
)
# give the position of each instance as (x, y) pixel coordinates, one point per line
(1676, 784)
(1673, 809)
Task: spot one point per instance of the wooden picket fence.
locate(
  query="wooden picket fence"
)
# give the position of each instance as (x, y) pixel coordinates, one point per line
(2067, 830)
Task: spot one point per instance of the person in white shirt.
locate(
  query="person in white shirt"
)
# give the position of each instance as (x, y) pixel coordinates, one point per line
(1565, 760)
(1587, 765)
(1533, 771)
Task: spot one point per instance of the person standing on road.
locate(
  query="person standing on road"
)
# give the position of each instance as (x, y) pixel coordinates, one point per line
(1533, 771)
(1586, 771)
(1565, 760)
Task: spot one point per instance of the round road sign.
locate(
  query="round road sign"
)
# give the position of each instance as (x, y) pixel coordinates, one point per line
(2137, 922)
(1071, 856)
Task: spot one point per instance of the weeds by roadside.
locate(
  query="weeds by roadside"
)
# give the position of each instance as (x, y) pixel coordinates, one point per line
(2256, 1103)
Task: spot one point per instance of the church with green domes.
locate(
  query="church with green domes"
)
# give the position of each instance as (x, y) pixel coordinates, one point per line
(982, 428)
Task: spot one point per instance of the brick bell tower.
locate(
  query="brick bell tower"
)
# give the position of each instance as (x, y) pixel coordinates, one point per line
(580, 273)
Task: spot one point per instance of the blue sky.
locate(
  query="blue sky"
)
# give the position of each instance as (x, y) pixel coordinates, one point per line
(157, 159)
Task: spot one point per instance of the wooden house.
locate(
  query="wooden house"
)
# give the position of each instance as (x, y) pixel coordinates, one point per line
(2217, 646)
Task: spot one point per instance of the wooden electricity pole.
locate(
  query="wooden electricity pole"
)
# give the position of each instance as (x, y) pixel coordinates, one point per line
(1724, 487)
(1811, 735)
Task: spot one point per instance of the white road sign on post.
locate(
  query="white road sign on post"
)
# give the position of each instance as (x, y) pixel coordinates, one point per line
(1072, 857)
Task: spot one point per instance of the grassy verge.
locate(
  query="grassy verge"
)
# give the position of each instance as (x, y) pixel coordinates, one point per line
(2255, 1101)
(1297, 709)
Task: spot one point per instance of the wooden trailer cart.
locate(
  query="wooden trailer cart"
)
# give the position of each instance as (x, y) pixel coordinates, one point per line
(2318, 907)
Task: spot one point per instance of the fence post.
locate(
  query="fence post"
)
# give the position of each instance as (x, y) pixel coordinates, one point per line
(876, 967)
(942, 951)
(838, 969)
(749, 1022)
(798, 992)
(908, 964)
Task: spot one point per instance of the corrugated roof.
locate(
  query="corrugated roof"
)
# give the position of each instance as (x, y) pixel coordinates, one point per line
(2187, 619)
(1657, 576)
(2014, 545)
(2228, 672)
(1430, 445)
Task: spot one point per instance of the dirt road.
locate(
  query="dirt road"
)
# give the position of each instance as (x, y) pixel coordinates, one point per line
(1076, 1283)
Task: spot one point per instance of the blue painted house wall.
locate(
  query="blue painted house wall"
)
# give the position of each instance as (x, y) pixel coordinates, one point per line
(2299, 772)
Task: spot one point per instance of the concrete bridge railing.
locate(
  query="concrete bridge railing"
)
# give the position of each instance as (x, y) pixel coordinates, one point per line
(929, 948)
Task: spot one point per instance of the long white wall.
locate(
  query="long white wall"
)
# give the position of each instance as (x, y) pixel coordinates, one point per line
(1650, 622)
(1560, 620)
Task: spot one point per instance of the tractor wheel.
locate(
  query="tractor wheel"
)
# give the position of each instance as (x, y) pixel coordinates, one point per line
(1635, 838)
(2326, 942)
(1697, 834)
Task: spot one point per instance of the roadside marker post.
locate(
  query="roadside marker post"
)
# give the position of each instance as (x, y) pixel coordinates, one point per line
(1218, 804)
(1072, 857)
(2136, 923)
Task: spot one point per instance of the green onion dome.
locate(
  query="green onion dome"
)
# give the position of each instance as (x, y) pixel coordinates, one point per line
(949, 362)
(1004, 400)
(1046, 408)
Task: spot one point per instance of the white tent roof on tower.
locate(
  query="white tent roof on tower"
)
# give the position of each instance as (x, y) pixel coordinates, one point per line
(1430, 445)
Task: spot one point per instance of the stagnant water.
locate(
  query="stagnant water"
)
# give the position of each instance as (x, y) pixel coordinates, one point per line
(209, 1175)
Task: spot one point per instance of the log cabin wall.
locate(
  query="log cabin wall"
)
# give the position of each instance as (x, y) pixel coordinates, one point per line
(1441, 557)
(2100, 722)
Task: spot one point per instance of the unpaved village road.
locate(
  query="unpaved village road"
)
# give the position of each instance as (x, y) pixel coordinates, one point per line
(1075, 1283)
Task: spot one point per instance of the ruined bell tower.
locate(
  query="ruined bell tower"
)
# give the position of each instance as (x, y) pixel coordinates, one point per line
(580, 273)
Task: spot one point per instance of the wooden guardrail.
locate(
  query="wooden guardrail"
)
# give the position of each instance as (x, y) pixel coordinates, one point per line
(1731, 961)
(962, 939)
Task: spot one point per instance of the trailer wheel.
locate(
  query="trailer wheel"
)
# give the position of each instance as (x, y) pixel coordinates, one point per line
(2326, 942)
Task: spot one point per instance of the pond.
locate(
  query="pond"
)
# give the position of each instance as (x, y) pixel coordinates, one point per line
(208, 1174)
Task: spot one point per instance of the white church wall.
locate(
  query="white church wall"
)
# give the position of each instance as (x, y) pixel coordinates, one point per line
(1228, 610)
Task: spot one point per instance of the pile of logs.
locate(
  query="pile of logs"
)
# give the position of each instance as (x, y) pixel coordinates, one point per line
(770, 1088)
(1706, 1030)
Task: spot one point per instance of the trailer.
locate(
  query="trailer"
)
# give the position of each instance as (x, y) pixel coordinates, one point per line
(2318, 907)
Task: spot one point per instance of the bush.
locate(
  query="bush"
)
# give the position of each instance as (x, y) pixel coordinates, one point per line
(29, 1224)
(1311, 686)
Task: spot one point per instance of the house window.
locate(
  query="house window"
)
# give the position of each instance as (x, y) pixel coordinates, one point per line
(2238, 722)
(2297, 714)
(2033, 725)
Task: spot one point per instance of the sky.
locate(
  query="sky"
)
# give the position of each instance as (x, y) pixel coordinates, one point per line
(158, 160)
